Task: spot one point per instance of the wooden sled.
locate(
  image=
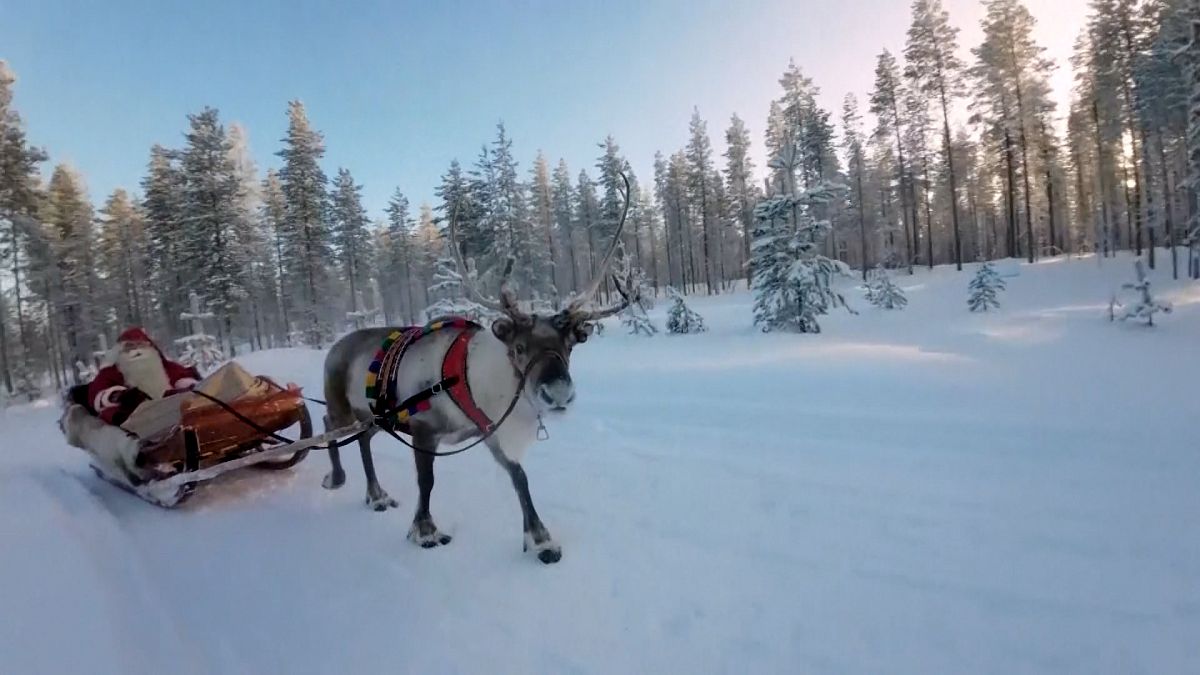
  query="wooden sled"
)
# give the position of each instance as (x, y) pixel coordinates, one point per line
(204, 440)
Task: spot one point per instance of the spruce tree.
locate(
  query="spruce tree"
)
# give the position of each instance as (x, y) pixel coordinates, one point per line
(307, 242)
(793, 283)
(351, 240)
(984, 289)
(563, 201)
(213, 226)
(122, 259)
(742, 191)
(681, 319)
(170, 271)
(396, 261)
(1144, 305)
(883, 293)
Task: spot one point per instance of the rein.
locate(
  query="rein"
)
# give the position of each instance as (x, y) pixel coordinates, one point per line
(381, 420)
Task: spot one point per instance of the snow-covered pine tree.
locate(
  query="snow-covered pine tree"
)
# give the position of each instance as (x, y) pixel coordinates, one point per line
(742, 191)
(984, 288)
(792, 280)
(450, 295)
(541, 214)
(199, 349)
(1144, 306)
(681, 319)
(635, 317)
(307, 242)
(121, 258)
(882, 292)
(169, 271)
(396, 261)
(563, 200)
(212, 217)
(351, 240)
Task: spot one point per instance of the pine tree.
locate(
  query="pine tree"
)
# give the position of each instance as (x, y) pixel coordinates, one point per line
(397, 260)
(563, 200)
(351, 240)
(702, 197)
(450, 294)
(18, 207)
(852, 144)
(984, 288)
(1145, 305)
(212, 221)
(883, 293)
(307, 242)
(541, 212)
(740, 187)
(169, 268)
(793, 283)
(273, 223)
(1012, 92)
(681, 319)
(635, 317)
(67, 271)
(887, 106)
(936, 70)
(121, 258)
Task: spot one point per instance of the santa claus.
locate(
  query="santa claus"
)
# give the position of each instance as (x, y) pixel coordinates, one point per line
(139, 373)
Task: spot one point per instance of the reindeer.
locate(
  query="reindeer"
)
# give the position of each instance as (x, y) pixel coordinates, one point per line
(519, 346)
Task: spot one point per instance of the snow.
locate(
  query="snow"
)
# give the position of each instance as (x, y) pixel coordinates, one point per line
(916, 491)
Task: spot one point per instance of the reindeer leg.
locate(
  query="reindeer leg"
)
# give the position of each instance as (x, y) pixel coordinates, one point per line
(336, 477)
(537, 536)
(423, 531)
(377, 498)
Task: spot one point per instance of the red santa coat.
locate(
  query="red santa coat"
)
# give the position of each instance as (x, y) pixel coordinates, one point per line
(114, 400)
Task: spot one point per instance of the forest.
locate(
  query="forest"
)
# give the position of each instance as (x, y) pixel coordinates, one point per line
(899, 180)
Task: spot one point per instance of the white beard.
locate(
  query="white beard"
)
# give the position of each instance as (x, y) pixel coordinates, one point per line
(145, 371)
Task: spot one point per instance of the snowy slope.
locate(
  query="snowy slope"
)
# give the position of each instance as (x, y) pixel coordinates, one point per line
(910, 492)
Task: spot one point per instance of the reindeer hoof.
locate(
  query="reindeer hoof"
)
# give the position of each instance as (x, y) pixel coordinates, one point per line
(334, 480)
(381, 503)
(547, 550)
(426, 535)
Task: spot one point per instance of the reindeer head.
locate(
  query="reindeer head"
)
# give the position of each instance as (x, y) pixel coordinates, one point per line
(540, 345)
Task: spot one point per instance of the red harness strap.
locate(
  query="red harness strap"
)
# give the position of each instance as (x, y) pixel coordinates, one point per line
(454, 365)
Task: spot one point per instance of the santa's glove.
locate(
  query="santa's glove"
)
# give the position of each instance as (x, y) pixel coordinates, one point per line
(131, 398)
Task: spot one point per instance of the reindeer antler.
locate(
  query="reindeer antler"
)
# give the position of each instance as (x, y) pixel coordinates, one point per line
(575, 306)
(508, 299)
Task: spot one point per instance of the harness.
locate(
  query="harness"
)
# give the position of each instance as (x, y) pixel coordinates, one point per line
(394, 415)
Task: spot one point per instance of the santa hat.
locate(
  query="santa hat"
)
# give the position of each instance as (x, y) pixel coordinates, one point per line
(134, 334)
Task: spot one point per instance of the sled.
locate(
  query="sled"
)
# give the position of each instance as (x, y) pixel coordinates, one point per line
(195, 437)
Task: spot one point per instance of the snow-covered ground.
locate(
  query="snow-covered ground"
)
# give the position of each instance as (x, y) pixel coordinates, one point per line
(925, 491)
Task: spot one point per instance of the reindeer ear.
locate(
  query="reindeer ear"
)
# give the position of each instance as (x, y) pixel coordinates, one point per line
(503, 328)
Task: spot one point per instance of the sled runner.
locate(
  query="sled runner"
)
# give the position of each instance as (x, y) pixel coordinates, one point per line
(168, 446)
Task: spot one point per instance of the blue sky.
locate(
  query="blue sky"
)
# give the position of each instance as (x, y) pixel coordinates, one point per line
(399, 89)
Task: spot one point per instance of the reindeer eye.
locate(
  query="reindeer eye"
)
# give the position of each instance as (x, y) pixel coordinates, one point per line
(519, 349)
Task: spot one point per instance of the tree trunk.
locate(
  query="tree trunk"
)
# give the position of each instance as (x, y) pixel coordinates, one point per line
(907, 196)
(1168, 217)
(1106, 219)
(862, 220)
(953, 180)
(4, 367)
(1010, 192)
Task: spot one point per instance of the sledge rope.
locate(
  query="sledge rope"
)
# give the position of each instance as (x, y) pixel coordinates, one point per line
(381, 420)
